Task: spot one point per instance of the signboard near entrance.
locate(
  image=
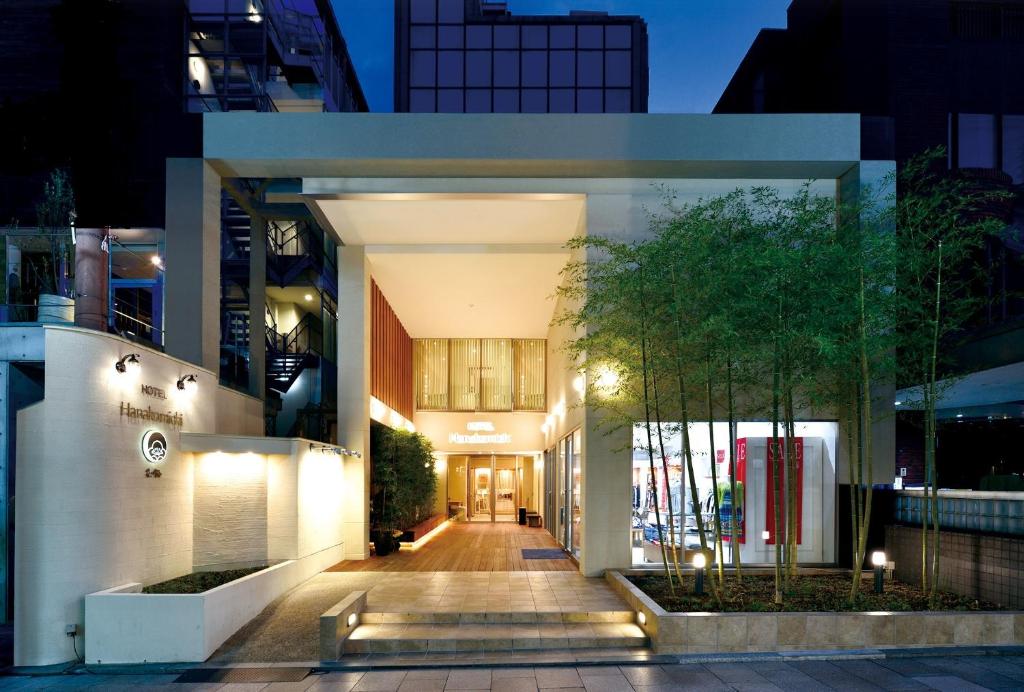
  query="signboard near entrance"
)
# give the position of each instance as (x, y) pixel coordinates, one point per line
(479, 432)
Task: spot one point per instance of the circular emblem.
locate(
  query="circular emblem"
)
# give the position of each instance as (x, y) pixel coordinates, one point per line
(154, 446)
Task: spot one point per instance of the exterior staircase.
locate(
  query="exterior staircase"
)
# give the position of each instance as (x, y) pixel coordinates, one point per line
(386, 632)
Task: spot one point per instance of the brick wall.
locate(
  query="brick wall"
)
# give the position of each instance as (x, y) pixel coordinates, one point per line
(987, 567)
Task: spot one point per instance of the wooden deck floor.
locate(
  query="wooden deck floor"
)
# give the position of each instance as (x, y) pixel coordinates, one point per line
(465, 547)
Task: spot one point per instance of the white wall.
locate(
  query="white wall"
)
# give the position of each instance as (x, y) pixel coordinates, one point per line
(230, 510)
(238, 413)
(89, 518)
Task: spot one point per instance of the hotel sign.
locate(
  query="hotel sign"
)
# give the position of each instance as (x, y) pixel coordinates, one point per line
(479, 433)
(136, 414)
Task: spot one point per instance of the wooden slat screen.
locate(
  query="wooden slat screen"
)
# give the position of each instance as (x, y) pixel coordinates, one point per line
(391, 356)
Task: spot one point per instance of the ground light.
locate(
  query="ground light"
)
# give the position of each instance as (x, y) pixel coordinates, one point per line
(878, 560)
(700, 561)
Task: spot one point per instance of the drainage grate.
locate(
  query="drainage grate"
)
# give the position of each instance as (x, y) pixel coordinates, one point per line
(283, 674)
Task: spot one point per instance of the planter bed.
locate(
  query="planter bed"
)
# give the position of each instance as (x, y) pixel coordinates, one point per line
(125, 625)
(888, 622)
(198, 582)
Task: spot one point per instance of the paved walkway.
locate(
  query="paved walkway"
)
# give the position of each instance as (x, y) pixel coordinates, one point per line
(466, 547)
(289, 628)
(952, 672)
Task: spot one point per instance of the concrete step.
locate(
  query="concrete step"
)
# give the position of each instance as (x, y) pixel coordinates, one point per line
(427, 637)
(463, 617)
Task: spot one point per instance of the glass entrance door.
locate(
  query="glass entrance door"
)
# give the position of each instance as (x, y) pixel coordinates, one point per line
(492, 488)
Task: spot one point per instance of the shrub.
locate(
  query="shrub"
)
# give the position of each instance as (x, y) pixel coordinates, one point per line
(403, 482)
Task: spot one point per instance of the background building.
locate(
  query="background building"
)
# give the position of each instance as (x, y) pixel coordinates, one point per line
(475, 56)
(925, 74)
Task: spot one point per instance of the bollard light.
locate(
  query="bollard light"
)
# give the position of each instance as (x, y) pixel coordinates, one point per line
(878, 561)
(699, 562)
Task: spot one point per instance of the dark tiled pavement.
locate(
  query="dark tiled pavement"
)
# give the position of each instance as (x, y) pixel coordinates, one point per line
(949, 672)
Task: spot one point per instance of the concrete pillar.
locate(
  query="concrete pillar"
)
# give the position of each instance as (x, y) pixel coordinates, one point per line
(91, 279)
(607, 501)
(192, 316)
(354, 394)
(257, 306)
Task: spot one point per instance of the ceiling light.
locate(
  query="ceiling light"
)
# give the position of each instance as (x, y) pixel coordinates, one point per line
(309, 297)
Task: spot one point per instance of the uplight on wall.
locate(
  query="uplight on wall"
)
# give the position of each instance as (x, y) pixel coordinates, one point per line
(579, 384)
(606, 380)
(128, 364)
(188, 384)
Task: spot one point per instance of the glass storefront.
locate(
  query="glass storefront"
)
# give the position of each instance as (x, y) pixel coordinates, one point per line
(490, 487)
(565, 474)
(751, 509)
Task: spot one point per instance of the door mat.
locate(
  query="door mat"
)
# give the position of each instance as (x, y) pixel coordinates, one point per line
(544, 554)
(283, 674)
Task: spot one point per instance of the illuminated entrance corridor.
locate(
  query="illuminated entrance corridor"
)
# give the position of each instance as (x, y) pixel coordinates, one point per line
(469, 547)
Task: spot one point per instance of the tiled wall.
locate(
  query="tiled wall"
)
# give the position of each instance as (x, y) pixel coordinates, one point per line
(987, 567)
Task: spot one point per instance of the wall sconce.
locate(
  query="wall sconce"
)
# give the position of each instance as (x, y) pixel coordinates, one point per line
(188, 383)
(129, 363)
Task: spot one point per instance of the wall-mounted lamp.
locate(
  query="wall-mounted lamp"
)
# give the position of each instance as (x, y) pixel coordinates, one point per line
(188, 383)
(878, 562)
(331, 449)
(700, 561)
(157, 261)
(129, 363)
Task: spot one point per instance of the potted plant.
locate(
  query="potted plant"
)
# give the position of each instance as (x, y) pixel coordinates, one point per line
(55, 217)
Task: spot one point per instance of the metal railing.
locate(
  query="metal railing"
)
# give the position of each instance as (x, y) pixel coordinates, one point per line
(134, 328)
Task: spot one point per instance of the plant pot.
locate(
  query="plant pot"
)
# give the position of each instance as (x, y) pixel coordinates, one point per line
(55, 309)
(383, 542)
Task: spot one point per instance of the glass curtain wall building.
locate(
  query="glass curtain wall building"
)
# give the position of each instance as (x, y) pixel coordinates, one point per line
(470, 56)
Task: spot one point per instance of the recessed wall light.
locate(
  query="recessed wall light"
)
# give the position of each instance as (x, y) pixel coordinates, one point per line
(309, 297)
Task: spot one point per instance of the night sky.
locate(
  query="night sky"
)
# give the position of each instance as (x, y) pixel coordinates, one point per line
(695, 45)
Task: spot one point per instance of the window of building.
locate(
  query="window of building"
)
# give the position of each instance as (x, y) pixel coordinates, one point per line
(423, 11)
(422, 68)
(422, 37)
(563, 36)
(450, 101)
(618, 36)
(478, 100)
(563, 68)
(591, 36)
(451, 11)
(449, 68)
(478, 36)
(589, 101)
(506, 37)
(535, 68)
(562, 101)
(449, 36)
(617, 101)
(422, 101)
(535, 37)
(976, 141)
(590, 68)
(506, 101)
(534, 101)
(506, 68)
(480, 374)
(478, 69)
(1013, 147)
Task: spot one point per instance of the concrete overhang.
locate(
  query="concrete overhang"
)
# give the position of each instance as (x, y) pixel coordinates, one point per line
(301, 145)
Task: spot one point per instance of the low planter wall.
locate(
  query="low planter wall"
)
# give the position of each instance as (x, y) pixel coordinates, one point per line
(677, 633)
(123, 625)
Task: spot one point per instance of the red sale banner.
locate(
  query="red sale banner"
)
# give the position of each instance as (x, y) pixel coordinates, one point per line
(736, 505)
(778, 451)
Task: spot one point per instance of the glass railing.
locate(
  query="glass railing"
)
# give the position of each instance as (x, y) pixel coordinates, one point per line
(965, 510)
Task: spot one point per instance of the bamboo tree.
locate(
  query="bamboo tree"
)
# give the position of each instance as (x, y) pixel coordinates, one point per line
(719, 552)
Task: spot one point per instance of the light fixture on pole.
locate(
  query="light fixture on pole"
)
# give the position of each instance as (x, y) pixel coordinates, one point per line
(878, 561)
(129, 363)
(700, 561)
(188, 383)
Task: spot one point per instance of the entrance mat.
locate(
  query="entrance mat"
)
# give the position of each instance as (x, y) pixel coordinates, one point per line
(544, 554)
(283, 674)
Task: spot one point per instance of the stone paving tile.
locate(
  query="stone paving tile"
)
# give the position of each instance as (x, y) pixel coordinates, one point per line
(829, 674)
(965, 668)
(640, 676)
(880, 675)
(380, 681)
(950, 683)
(514, 685)
(736, 673)
(557, 677)
(469, 679)
(604, 680)
(693, 676)
(421, 686)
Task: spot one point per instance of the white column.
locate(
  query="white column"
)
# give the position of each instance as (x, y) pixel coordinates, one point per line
(607, 497)
(354, 394)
